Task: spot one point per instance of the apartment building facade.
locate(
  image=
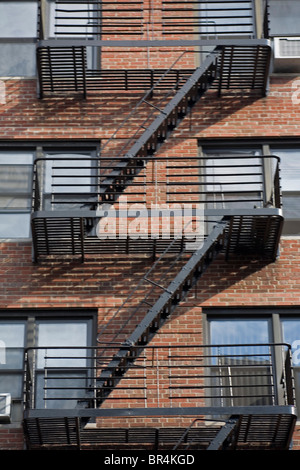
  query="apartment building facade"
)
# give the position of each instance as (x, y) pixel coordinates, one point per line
(149, 225)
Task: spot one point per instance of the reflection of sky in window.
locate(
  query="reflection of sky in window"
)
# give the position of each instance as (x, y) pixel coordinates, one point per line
(291, 335)
(18, 19)
(236, 18)
(62, 334)
(14, 225)
(219, 177)
(12, 342)
(16, 157)
(240, 332)
(289, 168)
(61, 174)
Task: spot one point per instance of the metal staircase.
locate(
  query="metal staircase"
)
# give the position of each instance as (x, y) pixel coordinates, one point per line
(162, 308)
(253, 227)
(52, 228)
(167, 120)
(58, 232)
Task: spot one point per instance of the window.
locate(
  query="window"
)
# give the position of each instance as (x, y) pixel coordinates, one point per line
(252, 327)
(290, 185)
(15, 193)
(291, 335)
(236, 19)
(284, 17)
(237, 368)
(73, 21)
(18, 30)
(64, 170)
(228, 181)
(48, 331)
(66, 378)
(12, 341)
(69, 177)
(257, 192)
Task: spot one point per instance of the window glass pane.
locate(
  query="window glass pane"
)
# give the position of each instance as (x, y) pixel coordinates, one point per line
(62, 376)
(60, 393)
(289, 167)
(73, 20)
(12, 383)
(241, 372)
(17, 60)
(18, 19)
(291, 205)
(221, 151)
(12, 338)
(66, 334)
(15, 181)
(16, 157)
(231, 182)
(239, 331)
(290, 186)
(15, 193)
(15, 187)
(68, 173)
(284, 17)
(220, 21)
(291, 335)
(70, 181)
(14, 225)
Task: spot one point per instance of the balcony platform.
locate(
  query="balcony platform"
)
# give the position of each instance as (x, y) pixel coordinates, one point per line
(258, 428)
(62, 68)
(204, 396)
(58, 234)
(78, 194)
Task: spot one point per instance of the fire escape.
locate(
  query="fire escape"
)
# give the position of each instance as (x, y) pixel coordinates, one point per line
(236, 198)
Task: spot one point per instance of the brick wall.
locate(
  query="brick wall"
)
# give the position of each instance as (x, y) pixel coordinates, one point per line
(104, 283)
(11, 439)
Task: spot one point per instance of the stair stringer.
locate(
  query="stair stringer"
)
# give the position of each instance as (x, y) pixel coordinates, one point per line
(162, 309)
(191, 91)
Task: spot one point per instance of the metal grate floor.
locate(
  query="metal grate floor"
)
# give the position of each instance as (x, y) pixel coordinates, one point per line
(63, 70)
(269, 432)
(58, 237)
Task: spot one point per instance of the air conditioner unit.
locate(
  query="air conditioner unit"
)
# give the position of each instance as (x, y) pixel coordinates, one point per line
(287, 54)
(5, 407)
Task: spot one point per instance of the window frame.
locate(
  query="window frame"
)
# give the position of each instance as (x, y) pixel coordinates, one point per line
(41, 148)
(22, 41)
(47, 32)
(31, 318)
(291, 226)
(273, 314)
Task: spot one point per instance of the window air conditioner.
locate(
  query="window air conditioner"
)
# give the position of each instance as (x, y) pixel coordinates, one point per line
(5, 407)
(287, 54)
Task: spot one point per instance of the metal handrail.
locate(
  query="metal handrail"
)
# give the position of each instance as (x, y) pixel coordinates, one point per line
(134, 18)
(185, 375)
(110, 175)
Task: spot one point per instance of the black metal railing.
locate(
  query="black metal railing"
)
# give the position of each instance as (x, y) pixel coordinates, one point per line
(237, 375)
(138, 19)
(223, 182)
